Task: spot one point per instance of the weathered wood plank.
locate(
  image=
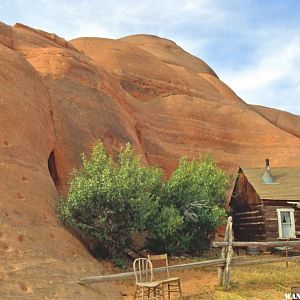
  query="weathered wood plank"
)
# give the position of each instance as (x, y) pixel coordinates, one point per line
(242, 191)
(229, 255)
(244, 230)
(271, 214)
(254, 218)
(246, 213)
(249, 208)
(252, 224)
(264, 261)
(271, 236)
(223, 255)
(128, 275)
(236, 261)
(270, 208)
(272, 228)
(258, 244)
(261, 236)
(278, 203)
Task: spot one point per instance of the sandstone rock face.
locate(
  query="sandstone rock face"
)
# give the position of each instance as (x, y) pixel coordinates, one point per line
(190, 111)
(168, 52)
(40, 259)
(282, 119)
(57, 98)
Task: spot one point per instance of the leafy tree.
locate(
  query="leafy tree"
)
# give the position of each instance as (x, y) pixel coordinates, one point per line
(196, 194)
(164, 232)
(107, 200)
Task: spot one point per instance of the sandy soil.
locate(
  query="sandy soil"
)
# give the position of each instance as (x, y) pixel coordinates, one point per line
(194, 282)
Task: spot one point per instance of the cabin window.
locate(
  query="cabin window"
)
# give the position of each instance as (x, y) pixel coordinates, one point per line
(286, 223)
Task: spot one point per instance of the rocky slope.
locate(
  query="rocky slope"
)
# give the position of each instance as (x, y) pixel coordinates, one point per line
(281, 119)
(182, 108)
(40, 259)
(57, 98)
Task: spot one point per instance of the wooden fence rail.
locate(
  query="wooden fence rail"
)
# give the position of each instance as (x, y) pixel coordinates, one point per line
(258, 244)
(120, 276)
(236, 261)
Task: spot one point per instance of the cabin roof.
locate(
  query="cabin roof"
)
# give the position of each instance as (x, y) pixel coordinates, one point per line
(286, 185)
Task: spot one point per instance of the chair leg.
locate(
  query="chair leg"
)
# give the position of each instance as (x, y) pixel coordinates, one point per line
(143, 293)
(163, 291)
(136, 291)
(169, 292)
(157, 293)
(180, 291)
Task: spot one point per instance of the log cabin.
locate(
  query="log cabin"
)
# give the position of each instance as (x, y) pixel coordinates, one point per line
(265, 204)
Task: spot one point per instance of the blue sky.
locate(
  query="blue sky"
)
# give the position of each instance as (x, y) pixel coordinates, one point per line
(253, 45)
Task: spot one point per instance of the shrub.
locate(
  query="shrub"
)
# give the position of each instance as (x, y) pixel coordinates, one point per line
(119, 262)
(196, 194)
(164, 232)
(108, 200)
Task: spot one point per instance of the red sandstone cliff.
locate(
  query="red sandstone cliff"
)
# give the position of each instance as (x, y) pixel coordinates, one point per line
(182, 108)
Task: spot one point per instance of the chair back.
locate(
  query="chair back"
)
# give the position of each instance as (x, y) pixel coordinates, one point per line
(161, 257)
(143, 270)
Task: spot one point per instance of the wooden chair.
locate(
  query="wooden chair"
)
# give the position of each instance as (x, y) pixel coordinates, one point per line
(172, 283)
(146, 287)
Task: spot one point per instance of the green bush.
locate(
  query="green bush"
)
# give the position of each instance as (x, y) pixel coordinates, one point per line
(109, 200)
(196, 194)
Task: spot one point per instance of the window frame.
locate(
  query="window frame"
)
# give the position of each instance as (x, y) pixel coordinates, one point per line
(292, 214)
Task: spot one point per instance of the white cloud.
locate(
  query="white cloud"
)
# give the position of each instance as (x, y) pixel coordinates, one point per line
(92, 30)
(271, 66)
(273, 79)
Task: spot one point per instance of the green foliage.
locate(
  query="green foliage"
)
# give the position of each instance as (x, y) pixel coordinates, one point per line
(109, 200)
(164, 231)
(196, 194)
(119, 262)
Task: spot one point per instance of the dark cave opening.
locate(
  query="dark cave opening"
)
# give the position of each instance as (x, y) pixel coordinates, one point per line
(52, 168)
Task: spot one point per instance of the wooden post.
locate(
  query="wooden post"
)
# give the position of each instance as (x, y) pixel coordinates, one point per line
(286, 255)
(229, 255)
(223, 256)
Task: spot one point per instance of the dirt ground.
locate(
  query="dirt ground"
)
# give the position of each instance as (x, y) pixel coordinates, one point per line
(270, 281)
(198, 283)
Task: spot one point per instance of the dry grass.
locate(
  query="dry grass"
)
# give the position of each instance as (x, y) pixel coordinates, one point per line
(268, 281)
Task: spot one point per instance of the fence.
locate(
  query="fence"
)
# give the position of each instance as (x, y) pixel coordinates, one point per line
(223, 264)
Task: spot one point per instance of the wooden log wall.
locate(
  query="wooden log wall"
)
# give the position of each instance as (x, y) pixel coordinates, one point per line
(248, 223)
(248, 212)
(243, 193)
